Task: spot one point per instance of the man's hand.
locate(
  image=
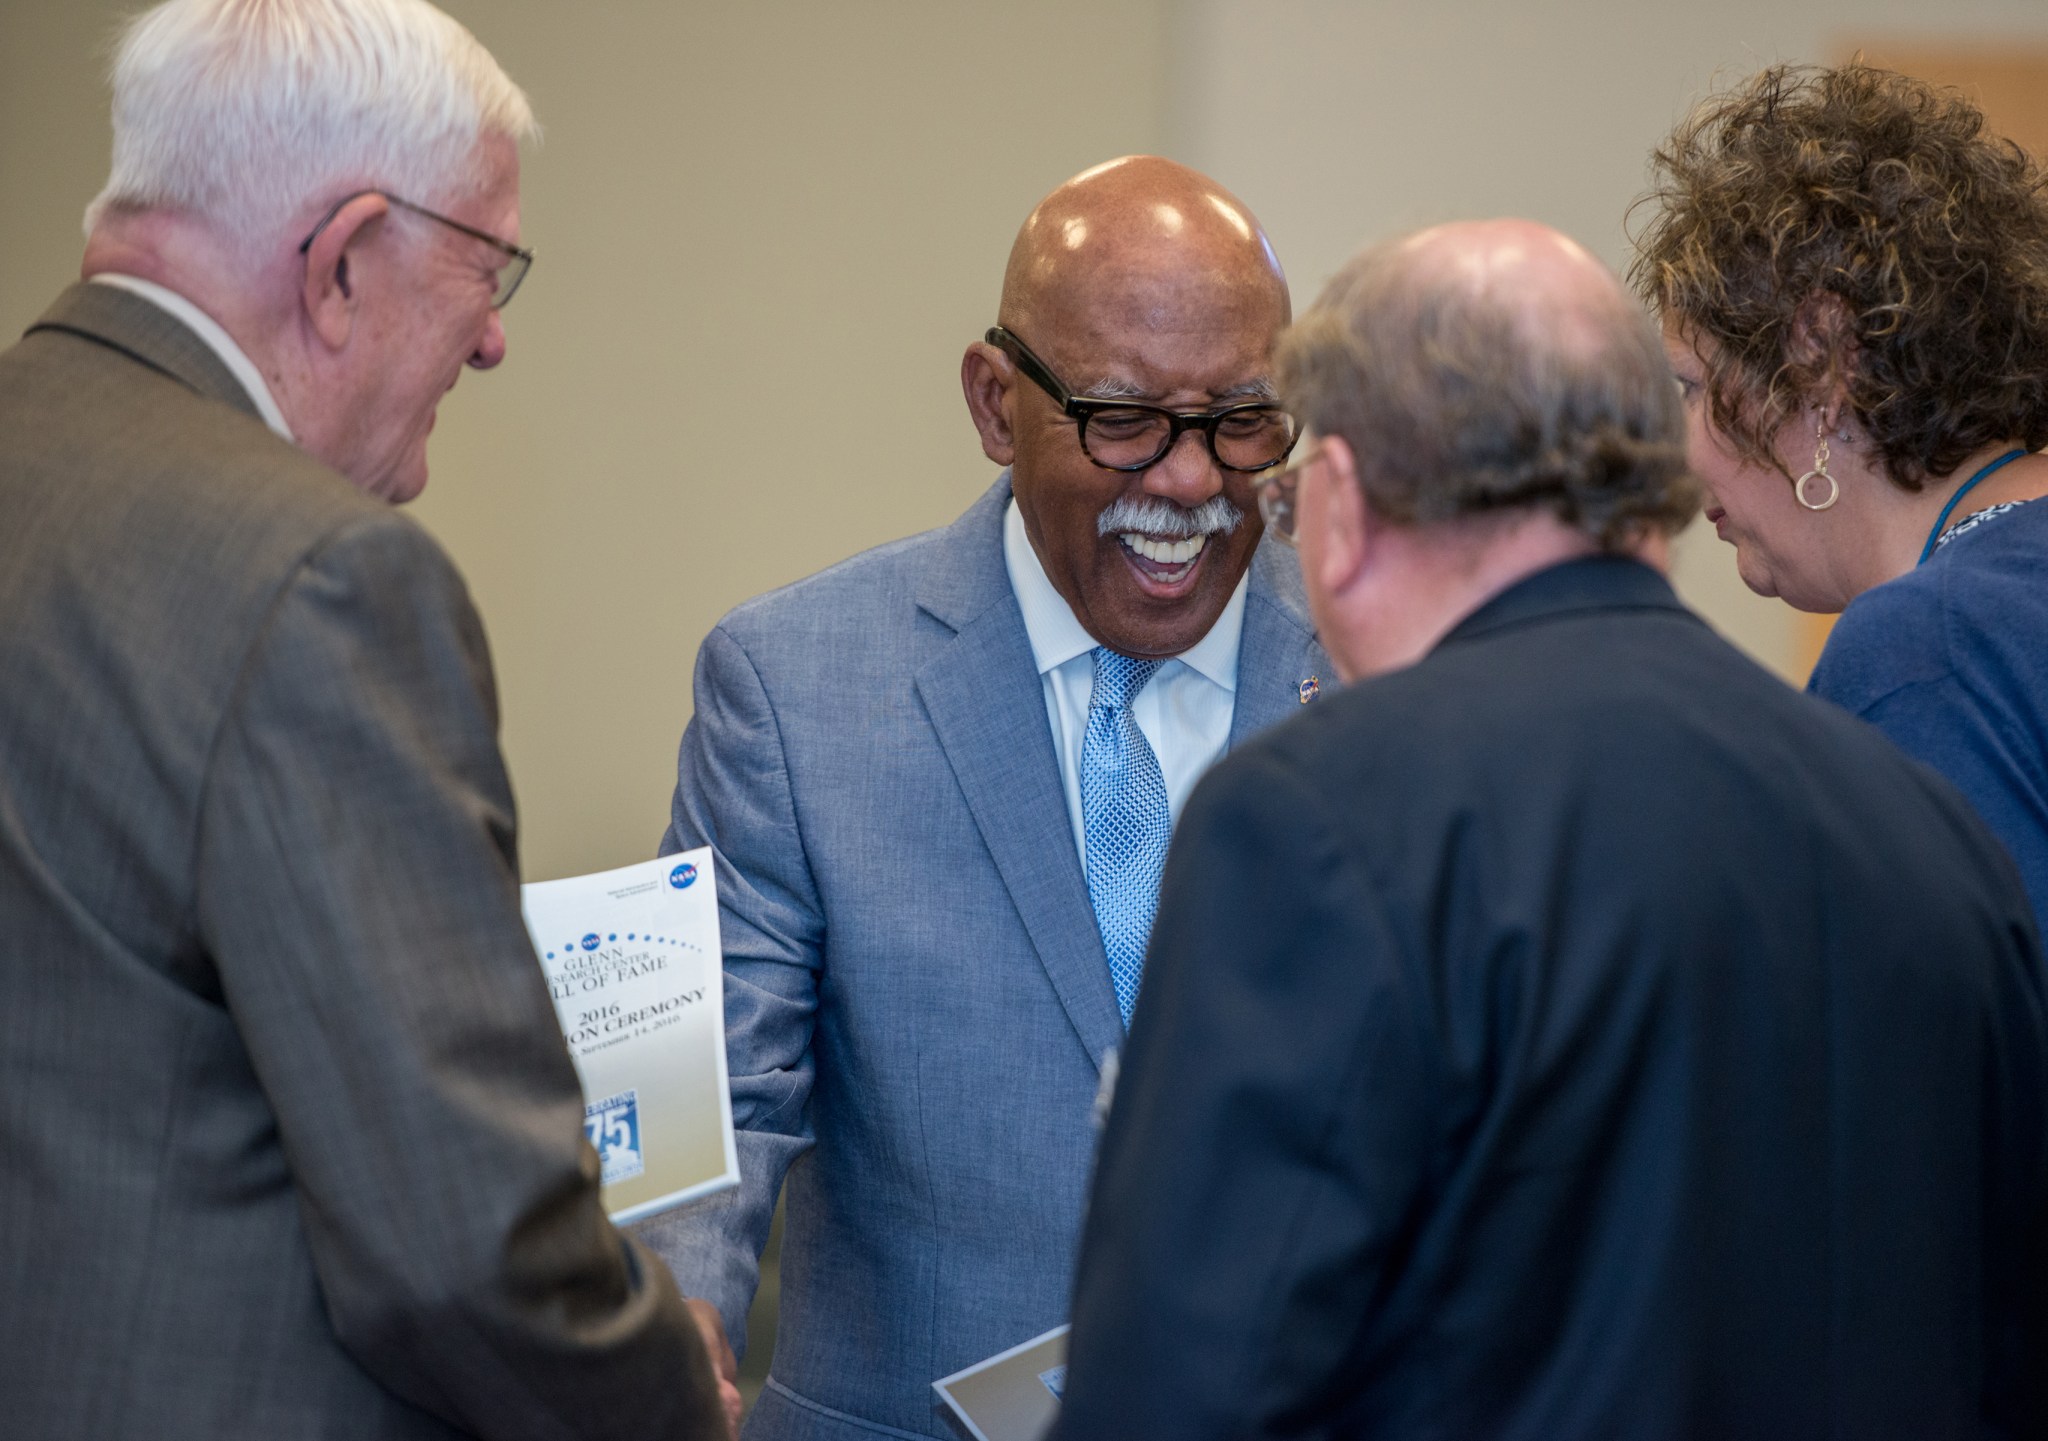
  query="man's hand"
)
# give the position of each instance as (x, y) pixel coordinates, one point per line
(722, 1360)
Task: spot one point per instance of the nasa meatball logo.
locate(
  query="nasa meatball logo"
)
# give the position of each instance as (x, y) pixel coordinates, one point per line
(683, 876)
(590, 941)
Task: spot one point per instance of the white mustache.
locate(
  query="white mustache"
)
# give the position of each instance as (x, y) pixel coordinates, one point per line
(1155, 515)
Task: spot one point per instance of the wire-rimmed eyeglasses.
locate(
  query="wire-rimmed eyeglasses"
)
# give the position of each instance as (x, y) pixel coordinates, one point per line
(517, 262)
(1127, 435)
(1278, 489)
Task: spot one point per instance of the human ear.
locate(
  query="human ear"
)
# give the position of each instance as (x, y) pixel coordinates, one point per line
(987, 379)
(331, 287)
(1823, 345)
(1344, 525)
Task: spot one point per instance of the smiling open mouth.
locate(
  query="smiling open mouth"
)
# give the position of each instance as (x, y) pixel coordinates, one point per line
(1164, 542)
(1164, 552)
(1164, 561)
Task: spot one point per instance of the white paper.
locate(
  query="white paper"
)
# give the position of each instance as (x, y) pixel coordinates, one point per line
(633, 963)
(1013, 1396)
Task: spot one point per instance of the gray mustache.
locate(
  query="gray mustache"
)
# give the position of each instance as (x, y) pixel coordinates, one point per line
(1158, 516)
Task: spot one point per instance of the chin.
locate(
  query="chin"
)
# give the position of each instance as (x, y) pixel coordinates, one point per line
(1813, 602)
(1757, 577)
(407, 481)
(1156, 636)
(1790, 589)
(1147, 615)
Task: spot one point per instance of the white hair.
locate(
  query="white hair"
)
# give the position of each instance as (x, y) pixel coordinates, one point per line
(245, 113)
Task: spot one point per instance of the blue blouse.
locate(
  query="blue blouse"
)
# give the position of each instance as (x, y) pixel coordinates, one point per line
(1951, 661)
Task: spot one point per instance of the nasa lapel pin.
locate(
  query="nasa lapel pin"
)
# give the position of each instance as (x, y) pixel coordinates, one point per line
(1310, 689)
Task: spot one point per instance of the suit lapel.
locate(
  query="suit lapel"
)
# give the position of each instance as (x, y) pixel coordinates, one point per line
(149, 335)
(1279, 651)
(982, 692)
(986, 702)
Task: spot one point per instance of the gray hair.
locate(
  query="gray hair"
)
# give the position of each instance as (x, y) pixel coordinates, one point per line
(1459, 402)
(245, 113)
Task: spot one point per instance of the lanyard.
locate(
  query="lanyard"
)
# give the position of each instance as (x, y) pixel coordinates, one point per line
(1962, 490)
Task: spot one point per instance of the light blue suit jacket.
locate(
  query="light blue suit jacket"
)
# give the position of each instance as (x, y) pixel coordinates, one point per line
(917, 1002)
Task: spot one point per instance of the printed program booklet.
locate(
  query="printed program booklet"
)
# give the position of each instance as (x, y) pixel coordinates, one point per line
(1014, 1396)
(633, 963)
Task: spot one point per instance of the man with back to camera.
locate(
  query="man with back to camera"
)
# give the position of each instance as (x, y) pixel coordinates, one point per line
(939, 779)
(290, 1144)
(1568, 1030)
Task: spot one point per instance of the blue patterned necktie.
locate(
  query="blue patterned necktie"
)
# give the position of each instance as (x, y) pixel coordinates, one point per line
(1125, 819)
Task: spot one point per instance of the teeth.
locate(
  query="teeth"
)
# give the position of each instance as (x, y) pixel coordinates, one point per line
(1165, 552)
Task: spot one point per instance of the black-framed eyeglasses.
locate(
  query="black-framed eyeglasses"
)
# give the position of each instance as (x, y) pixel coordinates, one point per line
(517, 262)
(1277, 489)
(1127, 435)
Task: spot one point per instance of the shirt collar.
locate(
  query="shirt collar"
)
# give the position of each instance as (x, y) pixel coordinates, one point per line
(1589, 583)
(1057, 637)
(218, 340)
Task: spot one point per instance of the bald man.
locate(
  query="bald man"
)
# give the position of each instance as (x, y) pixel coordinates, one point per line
(939, 779)
(1567, 1030)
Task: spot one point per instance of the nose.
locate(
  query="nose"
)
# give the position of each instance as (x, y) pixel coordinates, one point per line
(1187, 474)
(490, 347)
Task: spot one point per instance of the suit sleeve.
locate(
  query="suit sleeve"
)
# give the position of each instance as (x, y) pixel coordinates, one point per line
(1269, 1134)
(733, 793)
(359, 893)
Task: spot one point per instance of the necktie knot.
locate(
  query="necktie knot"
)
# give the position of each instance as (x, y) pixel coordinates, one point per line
(1118, 677)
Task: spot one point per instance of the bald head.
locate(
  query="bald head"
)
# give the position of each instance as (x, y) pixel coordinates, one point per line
(1550, 286)
(1491, 367)
(1123, 238)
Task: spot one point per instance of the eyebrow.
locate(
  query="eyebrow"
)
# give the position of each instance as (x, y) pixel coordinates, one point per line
(1111, 388)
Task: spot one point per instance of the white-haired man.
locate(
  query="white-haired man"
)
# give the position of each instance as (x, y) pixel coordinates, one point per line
(290, 1145)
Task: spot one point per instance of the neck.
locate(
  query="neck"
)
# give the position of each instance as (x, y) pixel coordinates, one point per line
(1424, 580)
(2024, 478)
(188, 257)
(1887, 528)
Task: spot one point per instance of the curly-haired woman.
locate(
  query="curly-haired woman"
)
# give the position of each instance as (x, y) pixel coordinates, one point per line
(1853, 280)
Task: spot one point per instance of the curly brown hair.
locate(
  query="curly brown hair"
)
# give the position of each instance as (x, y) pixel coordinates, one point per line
(1886, 193)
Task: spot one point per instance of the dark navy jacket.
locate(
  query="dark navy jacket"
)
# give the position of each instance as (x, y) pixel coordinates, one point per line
(1576, 1034)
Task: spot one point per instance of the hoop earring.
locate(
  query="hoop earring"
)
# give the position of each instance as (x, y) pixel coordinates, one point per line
(1820, 468)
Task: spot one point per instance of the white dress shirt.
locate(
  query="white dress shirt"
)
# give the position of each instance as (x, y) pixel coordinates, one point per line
(1184, 710)
(217, 340)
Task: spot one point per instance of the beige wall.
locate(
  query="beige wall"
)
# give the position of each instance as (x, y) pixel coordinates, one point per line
(765, 234)
(767, 230)
(1341, 122)
(53, 145)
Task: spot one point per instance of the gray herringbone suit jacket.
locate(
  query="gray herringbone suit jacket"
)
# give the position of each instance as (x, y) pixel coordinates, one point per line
(289, 1143)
